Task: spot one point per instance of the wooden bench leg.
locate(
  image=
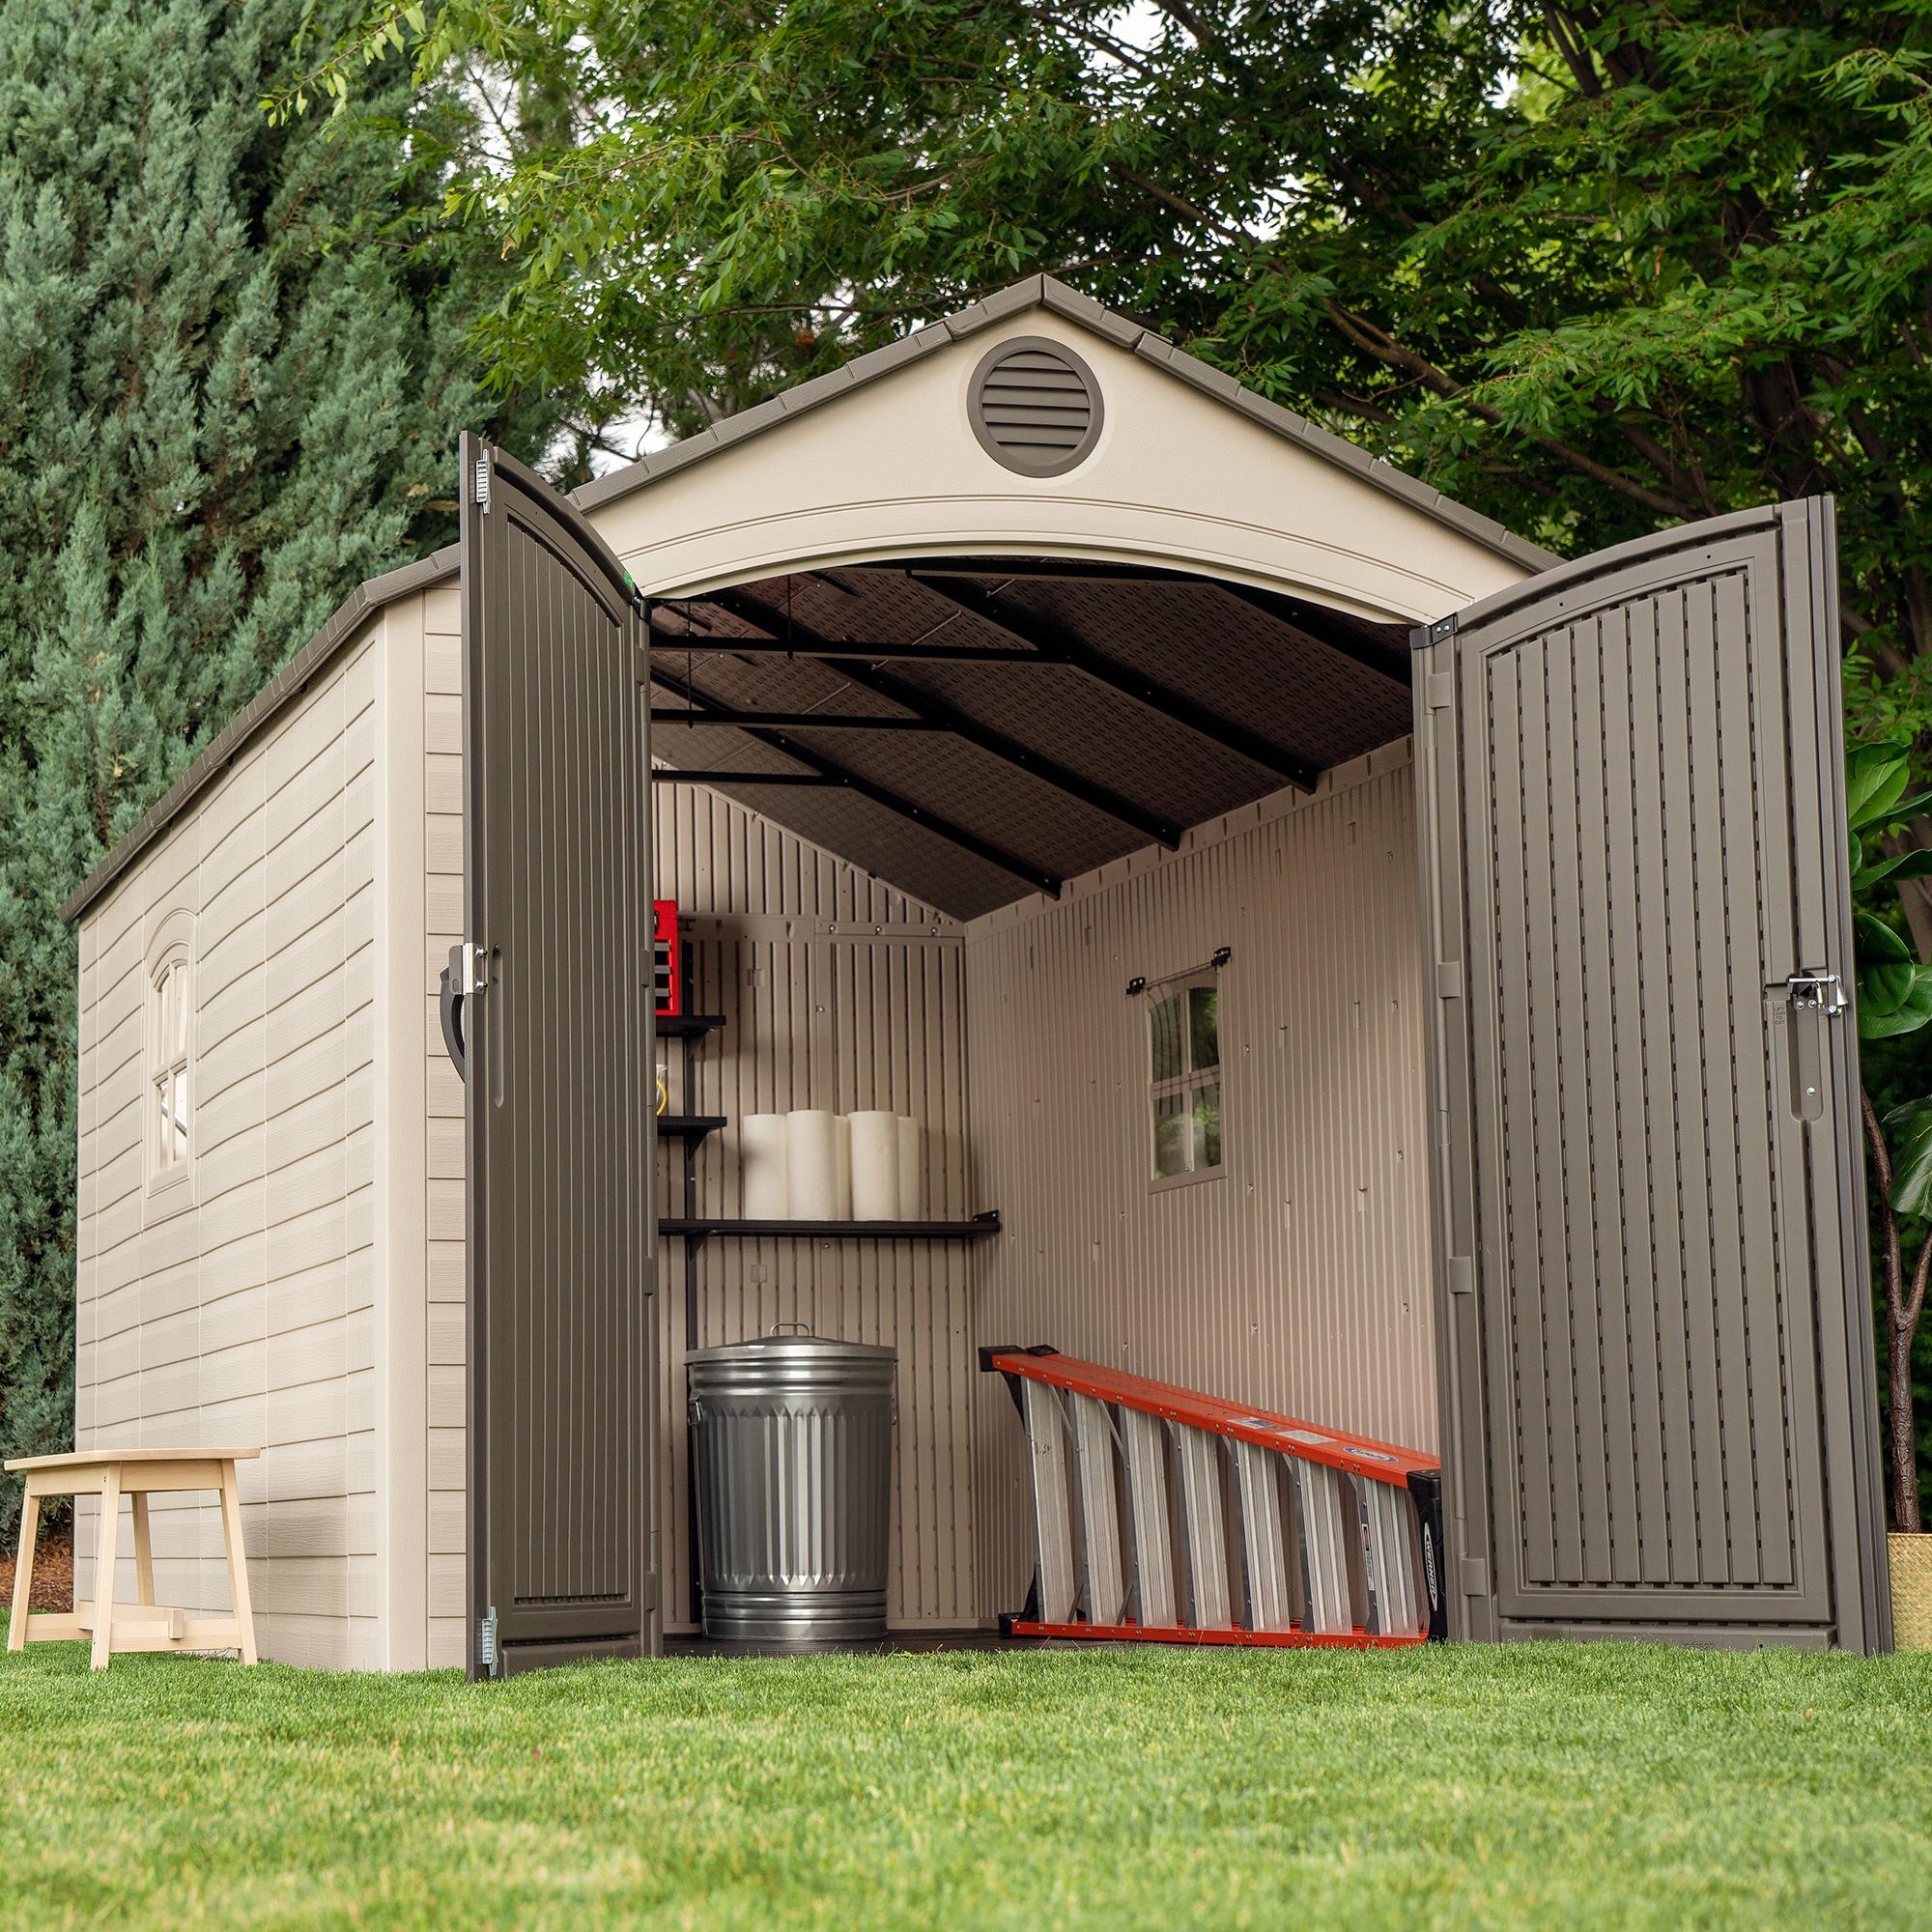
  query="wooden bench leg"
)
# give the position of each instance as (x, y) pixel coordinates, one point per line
(144, 1551)
(238, 1564)
(106, 1554)
(23, 1572)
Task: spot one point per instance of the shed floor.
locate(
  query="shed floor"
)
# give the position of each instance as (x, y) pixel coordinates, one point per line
(901, 1642)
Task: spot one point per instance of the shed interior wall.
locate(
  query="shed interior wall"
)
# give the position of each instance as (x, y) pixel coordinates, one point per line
(1300, 1279)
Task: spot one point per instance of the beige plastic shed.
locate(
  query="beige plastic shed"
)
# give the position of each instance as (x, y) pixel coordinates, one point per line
(1006, 677)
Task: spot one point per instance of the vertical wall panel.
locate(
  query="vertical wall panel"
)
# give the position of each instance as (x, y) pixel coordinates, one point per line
(836, 992)
(1299, 1280)
(443, 1129)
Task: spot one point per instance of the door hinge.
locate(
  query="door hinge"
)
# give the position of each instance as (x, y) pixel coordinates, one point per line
(481, 484)
(476, 969)
(1816, 992)
(486, 1643)
(1439, 691)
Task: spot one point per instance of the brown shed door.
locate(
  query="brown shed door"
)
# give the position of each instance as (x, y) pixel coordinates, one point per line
(558, 1095)
(1658, 1390)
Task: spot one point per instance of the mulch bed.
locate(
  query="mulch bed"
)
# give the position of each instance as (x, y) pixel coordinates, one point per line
(53, 1570)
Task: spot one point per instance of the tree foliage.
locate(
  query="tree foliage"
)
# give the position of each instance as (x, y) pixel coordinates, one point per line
(1589, 269)
(232, 369)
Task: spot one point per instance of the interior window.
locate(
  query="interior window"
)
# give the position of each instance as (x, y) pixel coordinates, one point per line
(1184, 1070)
(170, 1096)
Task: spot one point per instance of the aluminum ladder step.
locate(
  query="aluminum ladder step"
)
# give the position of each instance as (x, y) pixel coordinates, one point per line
(1164, 1514)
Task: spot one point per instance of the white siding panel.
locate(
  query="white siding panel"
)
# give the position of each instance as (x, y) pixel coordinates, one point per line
(226, 1318)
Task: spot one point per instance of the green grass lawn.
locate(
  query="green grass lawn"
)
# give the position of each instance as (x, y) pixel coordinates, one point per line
(1539, 1785)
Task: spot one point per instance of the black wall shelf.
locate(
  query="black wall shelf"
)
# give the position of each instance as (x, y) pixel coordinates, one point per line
(697, 1225)
(687, 1026)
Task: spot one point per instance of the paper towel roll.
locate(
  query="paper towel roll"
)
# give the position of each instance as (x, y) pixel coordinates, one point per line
(912, 1169)
(842, 1211)
(811, 1161)
(763, 1168)
(875, 1167)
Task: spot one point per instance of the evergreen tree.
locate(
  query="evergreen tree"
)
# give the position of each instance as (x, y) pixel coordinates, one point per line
(232, 372)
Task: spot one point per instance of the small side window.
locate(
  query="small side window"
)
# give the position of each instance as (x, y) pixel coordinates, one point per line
(1185, 1079)
(168, 1040)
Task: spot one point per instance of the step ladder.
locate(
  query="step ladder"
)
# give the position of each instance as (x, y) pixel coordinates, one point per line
(1171, 1516)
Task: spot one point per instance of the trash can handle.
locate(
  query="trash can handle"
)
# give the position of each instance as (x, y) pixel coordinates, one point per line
(796, 1327)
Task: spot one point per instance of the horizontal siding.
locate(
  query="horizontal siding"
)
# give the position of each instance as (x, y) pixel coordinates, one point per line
(1300, 1279)
(243, 1314)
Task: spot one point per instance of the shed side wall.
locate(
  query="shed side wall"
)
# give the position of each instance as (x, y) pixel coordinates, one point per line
(246, 1316)
(1300, 1279)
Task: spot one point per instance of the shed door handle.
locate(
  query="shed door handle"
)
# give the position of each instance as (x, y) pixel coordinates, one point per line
(451, 1002)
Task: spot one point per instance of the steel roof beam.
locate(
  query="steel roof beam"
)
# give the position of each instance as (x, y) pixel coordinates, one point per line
(963, 725)
(670, 775)
(793, 721)
(1066, 648)
(1038, 877)
(717, 644)
(1332, 630)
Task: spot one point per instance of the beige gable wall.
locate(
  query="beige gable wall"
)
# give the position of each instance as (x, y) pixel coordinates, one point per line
(247, 1315)
(1299, 1281)
(1177, 479)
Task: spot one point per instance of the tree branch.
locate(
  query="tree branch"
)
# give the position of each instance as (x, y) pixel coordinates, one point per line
(1179, 205)
(1377, 342)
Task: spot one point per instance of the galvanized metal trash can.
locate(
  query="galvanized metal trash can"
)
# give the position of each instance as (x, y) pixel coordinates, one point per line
(793, 1443)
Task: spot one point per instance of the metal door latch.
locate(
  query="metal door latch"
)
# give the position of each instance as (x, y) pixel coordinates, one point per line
(1816, 992)
(486, 1643)
(476, 969)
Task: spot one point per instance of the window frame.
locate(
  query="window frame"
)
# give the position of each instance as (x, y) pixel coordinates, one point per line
(168, 1184)
(1188, 1081)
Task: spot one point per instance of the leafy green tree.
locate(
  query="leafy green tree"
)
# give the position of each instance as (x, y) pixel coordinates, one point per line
(1592, 270)
(232, 369)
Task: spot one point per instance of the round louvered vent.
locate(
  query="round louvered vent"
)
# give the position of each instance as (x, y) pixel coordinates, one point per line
(1035, 406)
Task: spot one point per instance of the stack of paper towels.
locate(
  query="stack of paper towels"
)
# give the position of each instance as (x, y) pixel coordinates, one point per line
(812, 1165)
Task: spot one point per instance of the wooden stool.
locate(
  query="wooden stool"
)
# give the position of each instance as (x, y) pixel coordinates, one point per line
(136, 1474)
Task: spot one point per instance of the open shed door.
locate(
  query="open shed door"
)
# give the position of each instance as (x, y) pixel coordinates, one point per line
(1659, 1409)
(558, 1093)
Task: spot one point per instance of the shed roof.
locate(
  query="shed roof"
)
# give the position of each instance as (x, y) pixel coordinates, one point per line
(975, 730)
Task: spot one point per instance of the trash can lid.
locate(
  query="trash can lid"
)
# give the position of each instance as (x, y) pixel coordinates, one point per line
(793, 1340)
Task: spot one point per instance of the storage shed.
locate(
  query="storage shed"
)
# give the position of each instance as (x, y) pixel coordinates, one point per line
(1002, 691)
